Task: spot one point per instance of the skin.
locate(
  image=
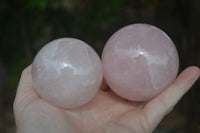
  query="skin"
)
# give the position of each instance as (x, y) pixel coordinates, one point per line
(106, 113)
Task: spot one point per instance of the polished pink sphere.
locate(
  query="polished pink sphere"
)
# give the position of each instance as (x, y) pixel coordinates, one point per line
(139, 62)
(67, 73)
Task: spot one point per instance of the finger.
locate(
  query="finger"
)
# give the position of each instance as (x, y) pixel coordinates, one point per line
(157, 108)
(25, 91)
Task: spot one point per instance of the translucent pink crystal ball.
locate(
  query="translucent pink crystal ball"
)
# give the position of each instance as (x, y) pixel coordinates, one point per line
(139, 62)
(67, 73)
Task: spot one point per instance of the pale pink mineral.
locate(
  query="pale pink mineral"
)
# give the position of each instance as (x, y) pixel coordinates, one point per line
(139, 62)
(67, 73)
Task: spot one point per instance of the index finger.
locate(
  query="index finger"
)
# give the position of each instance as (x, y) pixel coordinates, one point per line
(157, 108)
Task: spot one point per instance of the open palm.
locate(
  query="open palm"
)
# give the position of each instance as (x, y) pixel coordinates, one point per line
(106, 113)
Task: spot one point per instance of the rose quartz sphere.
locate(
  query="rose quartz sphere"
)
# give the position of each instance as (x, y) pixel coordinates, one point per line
(67, 73)
(139, 62)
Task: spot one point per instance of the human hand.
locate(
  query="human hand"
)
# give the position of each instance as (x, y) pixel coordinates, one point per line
(106, 113)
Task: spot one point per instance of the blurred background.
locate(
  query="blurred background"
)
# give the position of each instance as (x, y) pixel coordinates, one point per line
(27, 25)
